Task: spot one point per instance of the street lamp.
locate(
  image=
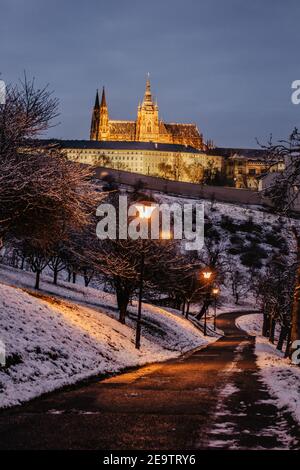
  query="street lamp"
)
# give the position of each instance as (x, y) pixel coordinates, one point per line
(215, 291)
(207, 275)
(145, 212)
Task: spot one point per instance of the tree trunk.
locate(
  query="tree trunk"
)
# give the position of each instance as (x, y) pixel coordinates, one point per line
(177, 303)
(123, 311)
(288, 344)
(183, 308)
(69, 275)
(295, 319)
(55, 274)
(282, 337)
(37, 279)
(123, 301)
(87, 280)
(187, 310)
(204, 308)
(237, 298)
(74, 277)
(266, 325)
(272, 330)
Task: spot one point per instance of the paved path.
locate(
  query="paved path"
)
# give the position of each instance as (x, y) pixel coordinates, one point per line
(213, 398)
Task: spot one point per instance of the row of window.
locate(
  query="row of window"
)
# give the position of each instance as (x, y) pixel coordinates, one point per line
(113, 152)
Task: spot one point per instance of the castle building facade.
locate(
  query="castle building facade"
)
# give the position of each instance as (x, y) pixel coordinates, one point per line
(170, 161)
(147, 127)
(149, 146)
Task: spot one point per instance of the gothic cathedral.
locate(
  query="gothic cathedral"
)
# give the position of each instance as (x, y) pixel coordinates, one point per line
(147, 127)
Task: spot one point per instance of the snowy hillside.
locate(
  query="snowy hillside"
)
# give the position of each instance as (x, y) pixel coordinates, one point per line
(51, 343)
(250, 233)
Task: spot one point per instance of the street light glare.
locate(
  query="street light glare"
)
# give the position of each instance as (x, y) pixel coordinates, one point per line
(166, 235)
(207, 274)
(145, 212)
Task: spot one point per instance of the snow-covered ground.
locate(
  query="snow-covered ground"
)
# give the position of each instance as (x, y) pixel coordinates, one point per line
(236, 241)
(281, 377)
(53, 342)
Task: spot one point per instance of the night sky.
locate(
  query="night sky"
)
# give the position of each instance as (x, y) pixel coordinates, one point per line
(226, 65)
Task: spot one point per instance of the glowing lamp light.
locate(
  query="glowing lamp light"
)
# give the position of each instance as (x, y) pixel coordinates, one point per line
(215, 291)
(145, 212)
(207, 274)
(166, 235)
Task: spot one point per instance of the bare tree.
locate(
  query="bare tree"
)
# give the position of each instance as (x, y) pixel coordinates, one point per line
(195, 172)
(284, 188)
(57, 261)
(283, 191)
(179, 168)
(103, 160)
(239, 282)
(28, 111)
(43, 195)
(165, 170)
(41, 191)
(274, 289)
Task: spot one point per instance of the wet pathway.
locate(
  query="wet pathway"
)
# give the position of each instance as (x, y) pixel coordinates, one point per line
(212, 399)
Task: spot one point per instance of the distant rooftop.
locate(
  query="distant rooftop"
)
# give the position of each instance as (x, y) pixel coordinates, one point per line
(256, 154)
(241, 152)
(120, 145)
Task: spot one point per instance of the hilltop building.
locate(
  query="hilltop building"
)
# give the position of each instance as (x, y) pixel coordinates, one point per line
(175, 151)
(147, 127)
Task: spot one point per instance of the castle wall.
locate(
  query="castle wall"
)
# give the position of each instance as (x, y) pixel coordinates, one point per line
(147, 162)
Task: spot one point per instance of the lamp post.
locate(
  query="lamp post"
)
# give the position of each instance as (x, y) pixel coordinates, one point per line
(207, 274)
(145, 212)
(215, 293)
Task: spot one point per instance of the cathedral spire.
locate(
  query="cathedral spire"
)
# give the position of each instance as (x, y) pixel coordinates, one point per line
(103, 118)
(148, 95)
(97, 100)
(103, 99)
(95, 119)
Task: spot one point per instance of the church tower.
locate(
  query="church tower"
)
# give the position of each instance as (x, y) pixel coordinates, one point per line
(147, 124)
(146, 128)
(100, 124)
(95, 119)
(103, 122)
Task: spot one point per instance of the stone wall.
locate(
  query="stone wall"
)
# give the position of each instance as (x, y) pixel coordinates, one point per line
(219, 193)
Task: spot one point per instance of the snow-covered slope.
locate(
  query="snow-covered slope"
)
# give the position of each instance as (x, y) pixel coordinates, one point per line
(281, 377)
(51, 343)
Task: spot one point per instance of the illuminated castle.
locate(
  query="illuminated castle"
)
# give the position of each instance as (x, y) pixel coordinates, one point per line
(147, 127)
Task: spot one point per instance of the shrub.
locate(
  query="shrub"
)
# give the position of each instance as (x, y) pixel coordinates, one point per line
(274, 240)
(250, 226)
(227, 223)
(236, 239)
(251, 260)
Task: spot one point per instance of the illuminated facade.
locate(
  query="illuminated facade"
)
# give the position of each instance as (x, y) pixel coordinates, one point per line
(148, 127)
(171, 161)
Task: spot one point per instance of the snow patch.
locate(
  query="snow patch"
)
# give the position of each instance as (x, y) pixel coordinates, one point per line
(281, 377)
(52, 343)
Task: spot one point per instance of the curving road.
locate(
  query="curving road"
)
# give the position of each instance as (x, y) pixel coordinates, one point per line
(211, 399)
